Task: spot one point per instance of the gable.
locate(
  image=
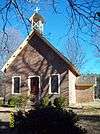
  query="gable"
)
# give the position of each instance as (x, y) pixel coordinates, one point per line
(46, 50)
(32, 61)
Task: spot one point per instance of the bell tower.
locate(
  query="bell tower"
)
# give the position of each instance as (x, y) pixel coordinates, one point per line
(37, 21)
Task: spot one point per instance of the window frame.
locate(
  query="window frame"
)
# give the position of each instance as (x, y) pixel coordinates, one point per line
(55, 93)
(13, 85)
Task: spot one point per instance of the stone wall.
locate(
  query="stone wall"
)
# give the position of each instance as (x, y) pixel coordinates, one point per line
(84, 95)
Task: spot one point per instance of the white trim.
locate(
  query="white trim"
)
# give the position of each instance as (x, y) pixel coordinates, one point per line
(13, 84)
(30, 86)
(58, 84)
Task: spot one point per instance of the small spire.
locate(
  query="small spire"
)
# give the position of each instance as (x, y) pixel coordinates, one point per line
(37, 21)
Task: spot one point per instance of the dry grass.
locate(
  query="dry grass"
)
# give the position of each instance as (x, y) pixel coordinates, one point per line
(90, 108)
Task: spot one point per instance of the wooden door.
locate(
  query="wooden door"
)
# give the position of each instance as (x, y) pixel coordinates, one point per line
(34, 86)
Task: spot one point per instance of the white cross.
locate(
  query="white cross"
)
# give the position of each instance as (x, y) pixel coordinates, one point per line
(37, 9)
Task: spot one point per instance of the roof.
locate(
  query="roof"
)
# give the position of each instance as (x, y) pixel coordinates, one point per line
(25, 42)
(85, 80)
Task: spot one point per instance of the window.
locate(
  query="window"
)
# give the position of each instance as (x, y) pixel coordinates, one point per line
(54, 84)
(16, 82)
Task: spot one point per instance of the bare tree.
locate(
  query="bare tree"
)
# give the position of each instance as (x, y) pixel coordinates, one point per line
(96, 42)
(83, 16)
(9, 44)
(75, 53)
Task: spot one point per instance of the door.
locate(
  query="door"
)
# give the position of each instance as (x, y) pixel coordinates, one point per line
(34, 87)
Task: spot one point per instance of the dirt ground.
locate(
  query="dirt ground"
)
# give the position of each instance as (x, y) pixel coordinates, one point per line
(92, 126)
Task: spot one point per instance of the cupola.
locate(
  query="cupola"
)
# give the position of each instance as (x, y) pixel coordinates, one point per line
(37, 21)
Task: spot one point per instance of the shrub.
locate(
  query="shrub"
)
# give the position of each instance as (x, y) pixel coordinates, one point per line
(18, 101)
(1, 102)
(60, 102)
(22, 101)
(48, 120)
(44, 101)
(12, 101)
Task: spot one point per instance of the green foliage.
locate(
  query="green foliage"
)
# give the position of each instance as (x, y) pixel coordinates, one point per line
(45, 101)
(12, 101)
(60, 102)
(18, 101)
(22, 101)
(48, 120)
(1, 102)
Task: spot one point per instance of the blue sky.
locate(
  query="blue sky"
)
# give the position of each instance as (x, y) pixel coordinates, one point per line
(55, 29)
(55, 24)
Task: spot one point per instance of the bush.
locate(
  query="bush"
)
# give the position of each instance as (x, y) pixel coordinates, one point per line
(60, 102)
(44, 102)
(48, 120)
(1, 102)
(18, 101)
(12, 101)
